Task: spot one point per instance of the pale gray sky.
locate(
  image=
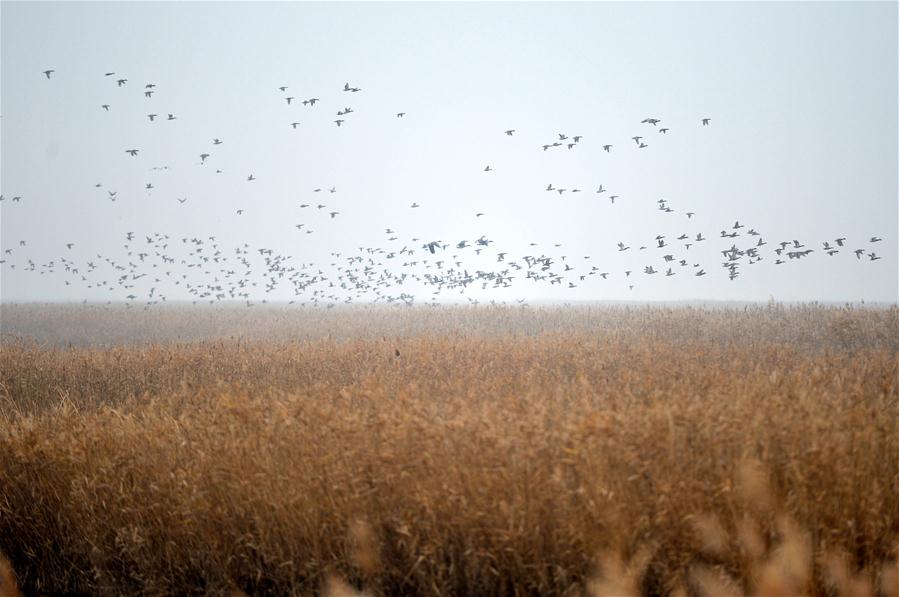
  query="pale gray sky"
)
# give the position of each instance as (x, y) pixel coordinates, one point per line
(802, 143)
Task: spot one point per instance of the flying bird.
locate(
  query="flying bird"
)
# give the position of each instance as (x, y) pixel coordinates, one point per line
(48, 72)
(510, 131)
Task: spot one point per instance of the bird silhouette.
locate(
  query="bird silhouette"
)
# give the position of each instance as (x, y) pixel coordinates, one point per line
(49, 72)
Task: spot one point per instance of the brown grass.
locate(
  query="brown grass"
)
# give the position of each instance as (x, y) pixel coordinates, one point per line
(558, 452)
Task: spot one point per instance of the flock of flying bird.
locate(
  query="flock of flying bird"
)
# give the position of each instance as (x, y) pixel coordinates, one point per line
(153, 266)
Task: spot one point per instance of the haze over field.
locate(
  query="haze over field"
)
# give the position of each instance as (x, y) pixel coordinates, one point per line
(801, 144)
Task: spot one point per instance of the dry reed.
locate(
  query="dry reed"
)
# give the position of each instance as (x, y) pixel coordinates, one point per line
(560, 452)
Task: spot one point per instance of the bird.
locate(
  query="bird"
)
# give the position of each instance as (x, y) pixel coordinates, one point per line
(874, 239)
(334, 214)
(705, 121)
(296, 124)
(180, 200)
(239, 212)
(105, 107)
(479, 214)
(338, 122)
(289, 99)
(663, 130)
(172, 117)
(149, 186)
(600, 189)
(283, 88)
(203, 157)
(510, 132)
(48, 72)
(251, 178)
(121, 82)
(152, 116)
(415, 205)
(133, 152)
(636, 139)
(108, 74)
(652, 121)
(216, 141)
(400, 114)
(488, 169)
(606, 148)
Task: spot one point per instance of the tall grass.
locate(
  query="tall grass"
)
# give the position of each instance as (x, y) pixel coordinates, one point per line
(558, 452)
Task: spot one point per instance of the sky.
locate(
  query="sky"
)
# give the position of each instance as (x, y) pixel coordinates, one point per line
(802, 144)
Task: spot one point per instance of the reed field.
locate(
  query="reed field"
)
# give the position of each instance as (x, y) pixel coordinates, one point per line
(583, 450)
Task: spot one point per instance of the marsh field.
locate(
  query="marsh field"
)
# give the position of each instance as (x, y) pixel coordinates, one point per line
(586, 450)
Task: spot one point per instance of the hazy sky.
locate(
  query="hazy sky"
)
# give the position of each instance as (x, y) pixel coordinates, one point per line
(802, 142)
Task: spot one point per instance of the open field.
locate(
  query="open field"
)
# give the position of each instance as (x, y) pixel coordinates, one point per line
(451, 451)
